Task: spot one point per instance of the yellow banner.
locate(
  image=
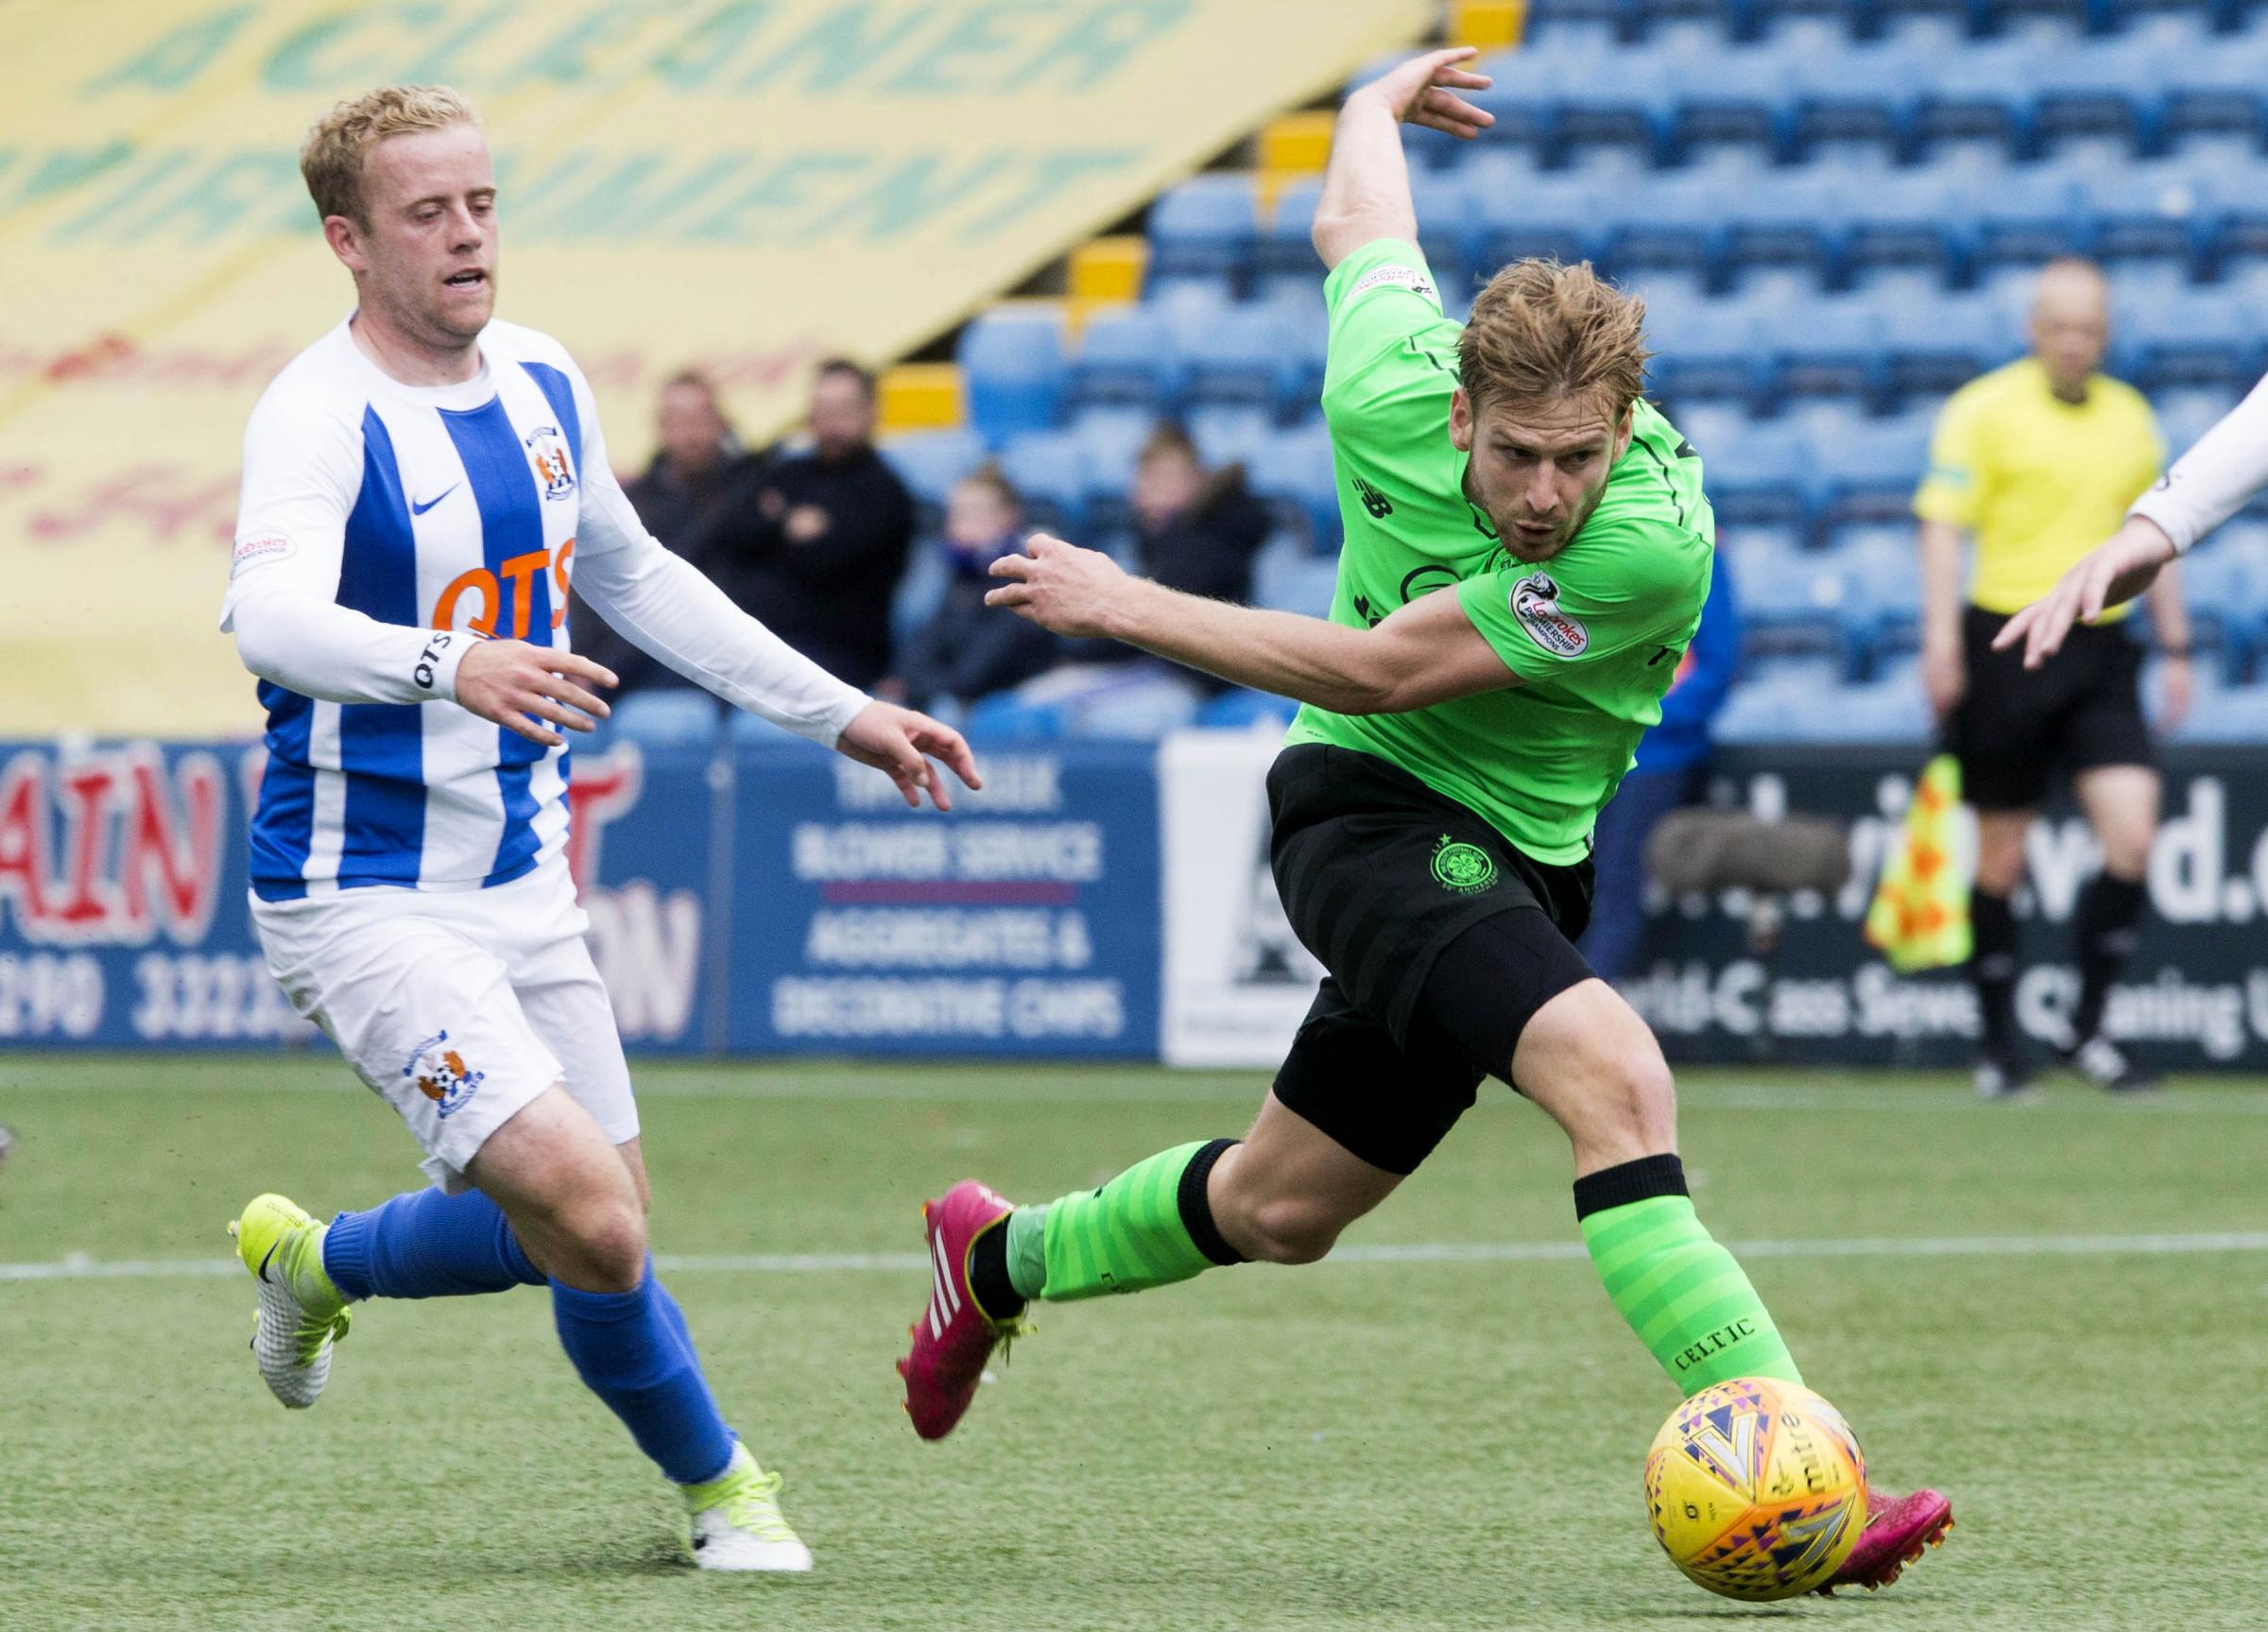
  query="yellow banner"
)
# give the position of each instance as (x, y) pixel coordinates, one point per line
(749, 185)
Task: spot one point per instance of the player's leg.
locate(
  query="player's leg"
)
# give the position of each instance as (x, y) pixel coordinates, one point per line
(1994, 960)
(2104, 738)
(2121, 804)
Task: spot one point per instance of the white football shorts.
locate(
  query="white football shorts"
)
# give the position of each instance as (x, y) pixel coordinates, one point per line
(457, 1006)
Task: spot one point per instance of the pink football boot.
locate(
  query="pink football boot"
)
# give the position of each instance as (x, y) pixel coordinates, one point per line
(1899, 1528)
(953, 1338)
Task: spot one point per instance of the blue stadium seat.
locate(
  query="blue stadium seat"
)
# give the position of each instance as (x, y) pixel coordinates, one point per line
(2025, 217)
(1798, 225)
(1444, 218)
(1284, 254)
(1557, 217)
(1294, 471)
(1673, 228)
(1870, 472)
(920, 590)
(1626, 109)
(1857, 101)
(2148, 216)
(2103, 92)
(1110, 442)
(1740, 105)
(1761, 478)
(1831, 348)
(2199, 337)
(1295, 581)
(1901, 223)
(1203, 231)
(1596, 24)
(1126, 359)
(1241, 710)
(1239, 356)
(2220, 97)
(672, 716)
(1932, 348)
(1705, 351)
(1979, 98)
(928, 462)
(1228, 433)
(1012, 363)
(1049, 469)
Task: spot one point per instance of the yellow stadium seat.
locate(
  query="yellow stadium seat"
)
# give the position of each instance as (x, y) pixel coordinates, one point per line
(922, 397)
(1491, 25)
(1105, 271)
(1291, 146)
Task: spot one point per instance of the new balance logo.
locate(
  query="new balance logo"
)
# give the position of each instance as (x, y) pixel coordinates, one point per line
(1373, 501)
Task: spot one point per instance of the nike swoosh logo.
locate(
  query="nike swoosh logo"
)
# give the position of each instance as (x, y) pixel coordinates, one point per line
(260, 1273)
(418, 510)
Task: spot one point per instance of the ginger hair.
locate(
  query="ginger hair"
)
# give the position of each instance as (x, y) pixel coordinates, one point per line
(332, 158)
(1542, 330)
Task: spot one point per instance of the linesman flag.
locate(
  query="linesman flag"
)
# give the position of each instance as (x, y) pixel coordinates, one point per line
(1919, 917)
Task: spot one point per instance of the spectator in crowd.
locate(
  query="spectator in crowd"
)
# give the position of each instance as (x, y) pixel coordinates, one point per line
(1195, 530)
(1672, 772)
(968, 650)
(696, 462)
(2034, 464)
(813, 544)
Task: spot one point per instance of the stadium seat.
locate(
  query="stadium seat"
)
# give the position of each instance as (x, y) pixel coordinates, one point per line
(2148, 217)
(1672, 230)
(1796, 225)
(671, 716)
(1126, 359)
(1013, 360)
(1871, 473)
(1705, 351)
(920, 591)
(2026, 216)
(928, 462)
(1901, 222)
(1858, 101)
(1240, 355)
(2197, 338)
(1283, 252)
(1049, 469)
(1933, 347)
(1627, 108)
(1835, 348)
(1557, 217)
(1979, 98)
(1291, 580)
(1762, 478)
(1294, 471)
(2102, 94)
(1204, 231)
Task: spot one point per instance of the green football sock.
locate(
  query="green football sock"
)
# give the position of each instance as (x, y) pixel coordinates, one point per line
(1687, 1297)
(1148, 1226)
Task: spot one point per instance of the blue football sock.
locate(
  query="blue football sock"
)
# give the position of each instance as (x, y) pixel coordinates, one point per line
(630, 1349)
(427, 1244)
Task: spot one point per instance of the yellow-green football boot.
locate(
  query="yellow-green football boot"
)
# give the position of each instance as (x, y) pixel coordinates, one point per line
(736, 1521)
(301, 1314)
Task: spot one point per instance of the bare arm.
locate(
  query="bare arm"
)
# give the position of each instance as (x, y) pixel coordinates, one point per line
(1426, 653)
(1943, 671)
(1367, 187)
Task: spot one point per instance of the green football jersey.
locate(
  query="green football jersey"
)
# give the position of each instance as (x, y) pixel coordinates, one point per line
(1594, 634)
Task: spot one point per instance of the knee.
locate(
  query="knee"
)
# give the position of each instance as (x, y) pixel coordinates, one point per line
(605, 1239)
(1634, 1109)
(1288, 1229)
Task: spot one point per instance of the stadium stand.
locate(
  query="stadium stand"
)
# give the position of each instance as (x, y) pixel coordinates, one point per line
(1835, 209)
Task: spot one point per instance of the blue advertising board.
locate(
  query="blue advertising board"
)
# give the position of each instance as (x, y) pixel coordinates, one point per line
(1025, 921)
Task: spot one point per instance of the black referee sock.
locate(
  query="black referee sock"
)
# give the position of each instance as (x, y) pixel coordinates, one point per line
(1992, 969)
(2106, 928)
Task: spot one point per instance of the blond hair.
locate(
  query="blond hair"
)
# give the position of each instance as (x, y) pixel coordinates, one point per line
(1542, 330)
(332, 158)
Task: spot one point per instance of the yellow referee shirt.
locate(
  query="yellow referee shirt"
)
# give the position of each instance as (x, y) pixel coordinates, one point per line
(2038, 480)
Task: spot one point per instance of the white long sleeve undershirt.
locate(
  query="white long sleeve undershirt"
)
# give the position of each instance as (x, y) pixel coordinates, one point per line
(2215, 479)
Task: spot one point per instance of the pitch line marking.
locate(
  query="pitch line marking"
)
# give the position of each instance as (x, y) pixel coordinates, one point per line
(77, 1266)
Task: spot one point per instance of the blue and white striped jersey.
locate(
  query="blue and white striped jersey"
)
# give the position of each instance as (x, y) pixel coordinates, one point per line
(462, 509)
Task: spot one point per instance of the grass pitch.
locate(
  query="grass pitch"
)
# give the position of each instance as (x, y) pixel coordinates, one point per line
(2072, 1340)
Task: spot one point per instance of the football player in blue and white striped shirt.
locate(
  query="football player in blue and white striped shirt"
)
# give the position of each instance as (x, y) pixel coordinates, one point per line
(419, 488)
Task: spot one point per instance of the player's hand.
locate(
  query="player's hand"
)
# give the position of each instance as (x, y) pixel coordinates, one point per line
(1423, 90)
(2176, 691)
(2114, 571)
(520, 686)
(1944, 676)
(1059, 586)
(901, 742)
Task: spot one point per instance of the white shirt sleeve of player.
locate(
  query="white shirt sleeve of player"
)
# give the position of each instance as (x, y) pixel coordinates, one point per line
(664, 604)
(2214, 479)
(302, 473)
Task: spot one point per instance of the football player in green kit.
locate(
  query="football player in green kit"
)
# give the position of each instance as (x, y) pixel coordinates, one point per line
(1527, 551)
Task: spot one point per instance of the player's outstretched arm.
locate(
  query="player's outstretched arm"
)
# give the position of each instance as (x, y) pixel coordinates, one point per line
(1426, 653)
(2117, 570)
(903, 744)
(1366, 186)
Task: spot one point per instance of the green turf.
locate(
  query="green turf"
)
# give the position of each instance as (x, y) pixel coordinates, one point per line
(1357, 1445)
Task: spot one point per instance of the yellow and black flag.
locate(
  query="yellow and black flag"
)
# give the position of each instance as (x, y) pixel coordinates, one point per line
(1919, 917)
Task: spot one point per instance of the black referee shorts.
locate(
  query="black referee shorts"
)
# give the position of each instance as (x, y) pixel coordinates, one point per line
(1440, 938)
(2015, 729)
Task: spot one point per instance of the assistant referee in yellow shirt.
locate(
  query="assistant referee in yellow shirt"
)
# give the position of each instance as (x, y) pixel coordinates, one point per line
(2036, 463)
